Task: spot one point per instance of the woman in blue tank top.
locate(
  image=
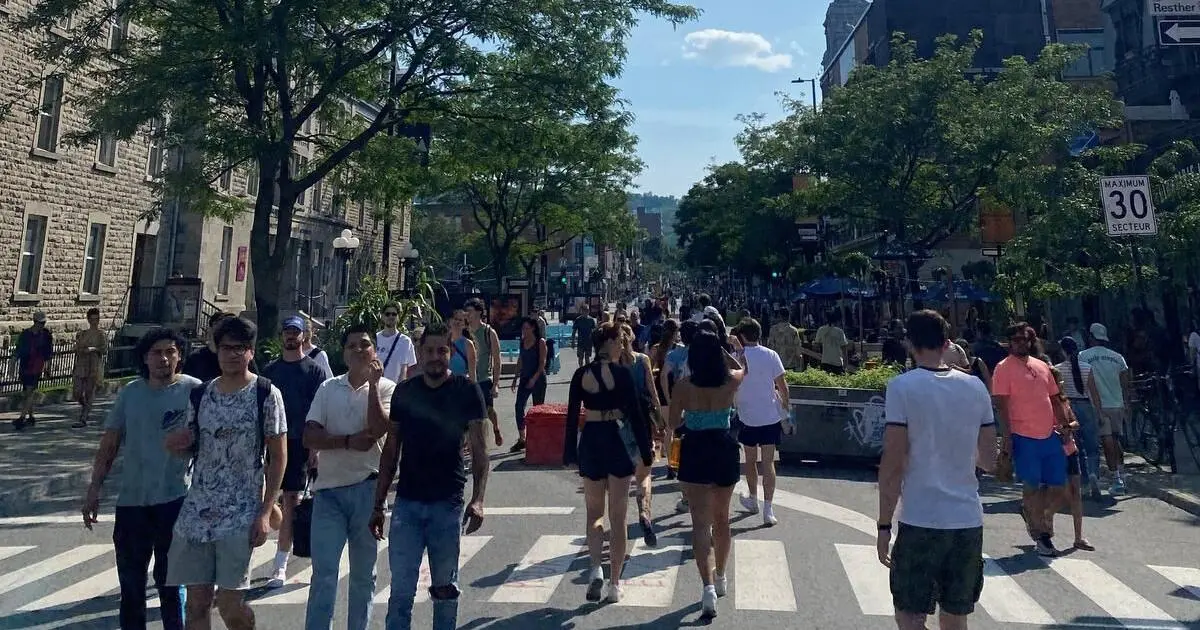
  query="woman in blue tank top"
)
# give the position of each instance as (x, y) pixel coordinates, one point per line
(462, 348)
(709, 460)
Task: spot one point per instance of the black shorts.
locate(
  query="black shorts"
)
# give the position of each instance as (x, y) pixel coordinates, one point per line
(295, 474)
(768, 435)
(602, 452)
(710, 457)
(1074, 466)
(485, 386)
(30, 381)
(937, 567)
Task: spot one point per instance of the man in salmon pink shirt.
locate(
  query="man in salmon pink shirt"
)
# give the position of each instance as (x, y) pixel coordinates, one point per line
(1024, 387)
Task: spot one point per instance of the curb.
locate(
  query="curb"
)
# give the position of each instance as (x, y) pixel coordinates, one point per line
(17, 501)
(1185, 501)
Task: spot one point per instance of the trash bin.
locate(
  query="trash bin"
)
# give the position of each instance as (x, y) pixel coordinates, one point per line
(545, 430)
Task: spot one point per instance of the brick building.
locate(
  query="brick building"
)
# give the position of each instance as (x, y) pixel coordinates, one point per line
(71, 217)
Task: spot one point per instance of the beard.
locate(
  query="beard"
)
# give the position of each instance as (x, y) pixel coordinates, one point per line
(436, 368)
(292, 344)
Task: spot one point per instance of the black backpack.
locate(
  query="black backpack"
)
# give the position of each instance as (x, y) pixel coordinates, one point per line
(262, 392)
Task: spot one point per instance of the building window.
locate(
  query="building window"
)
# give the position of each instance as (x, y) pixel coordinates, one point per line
(223, 266)
(1095, 60)
(156, 157)
(29, 277)
(49, 114)
(63, 24)
(317, 196)
(362, 212)
(299, 164)
(118, 27)
(252, 179)
(106, 151)
(225, 181)
(93, 258)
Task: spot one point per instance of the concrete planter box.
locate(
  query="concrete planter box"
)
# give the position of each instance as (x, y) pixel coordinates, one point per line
(833, 423)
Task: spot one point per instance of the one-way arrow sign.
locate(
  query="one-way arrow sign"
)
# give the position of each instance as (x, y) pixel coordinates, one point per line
(1179, 32)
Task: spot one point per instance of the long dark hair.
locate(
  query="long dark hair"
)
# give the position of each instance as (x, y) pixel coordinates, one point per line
(1071, 348)
(706, 361)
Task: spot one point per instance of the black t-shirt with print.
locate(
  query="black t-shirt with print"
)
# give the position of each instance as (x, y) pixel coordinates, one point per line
(298, 382)
(432, 423)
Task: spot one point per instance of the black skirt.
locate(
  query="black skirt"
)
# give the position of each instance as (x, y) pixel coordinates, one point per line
(602, 452)
(710, 457)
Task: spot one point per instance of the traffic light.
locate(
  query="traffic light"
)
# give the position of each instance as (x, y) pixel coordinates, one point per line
(774, 275)
(563, 280)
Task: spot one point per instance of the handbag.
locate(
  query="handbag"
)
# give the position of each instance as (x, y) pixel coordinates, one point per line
(302, 523)
(625, 428)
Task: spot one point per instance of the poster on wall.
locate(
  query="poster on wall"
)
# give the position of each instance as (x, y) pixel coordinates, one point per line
(182, 298)
(504, 314)
(243, 255)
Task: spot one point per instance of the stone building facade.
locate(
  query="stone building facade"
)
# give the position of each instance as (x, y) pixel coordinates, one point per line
(73, 232)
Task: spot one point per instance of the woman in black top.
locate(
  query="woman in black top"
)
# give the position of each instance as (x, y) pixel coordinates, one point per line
(530, 379)
(613, 432)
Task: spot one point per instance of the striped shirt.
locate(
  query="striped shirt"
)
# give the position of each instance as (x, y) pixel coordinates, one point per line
(1085, 372)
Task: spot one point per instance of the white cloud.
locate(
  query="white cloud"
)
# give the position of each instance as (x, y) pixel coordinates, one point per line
(798, 49)
(734, 49)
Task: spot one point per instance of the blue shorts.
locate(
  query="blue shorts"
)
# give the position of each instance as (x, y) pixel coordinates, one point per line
(1039, 462)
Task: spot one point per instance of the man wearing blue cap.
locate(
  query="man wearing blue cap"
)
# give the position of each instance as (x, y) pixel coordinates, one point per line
(298, 377)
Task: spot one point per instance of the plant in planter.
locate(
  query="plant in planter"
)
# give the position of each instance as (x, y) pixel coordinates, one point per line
(366, 307)
(837, 415)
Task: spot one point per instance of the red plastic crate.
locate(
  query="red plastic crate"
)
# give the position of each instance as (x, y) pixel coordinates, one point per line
(545, 430)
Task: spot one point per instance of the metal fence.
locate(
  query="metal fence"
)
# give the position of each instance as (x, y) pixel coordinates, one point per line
(120, 361)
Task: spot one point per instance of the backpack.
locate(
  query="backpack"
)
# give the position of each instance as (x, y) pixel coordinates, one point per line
(262, 393)
(550, 352)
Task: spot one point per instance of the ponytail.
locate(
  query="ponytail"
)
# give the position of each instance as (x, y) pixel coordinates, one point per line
(1076, 374)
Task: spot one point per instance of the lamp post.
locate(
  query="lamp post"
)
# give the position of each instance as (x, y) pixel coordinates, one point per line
(345, 245)
(812, 81)
(408, 256)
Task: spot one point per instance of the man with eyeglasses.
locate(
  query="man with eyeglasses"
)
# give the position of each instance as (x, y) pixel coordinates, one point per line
(395, 349)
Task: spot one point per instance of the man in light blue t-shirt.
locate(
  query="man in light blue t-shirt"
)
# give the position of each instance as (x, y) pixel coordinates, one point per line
(152, 482)
(1111, 375)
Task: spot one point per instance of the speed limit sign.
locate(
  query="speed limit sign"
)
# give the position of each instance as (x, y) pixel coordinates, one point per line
(1128, 210)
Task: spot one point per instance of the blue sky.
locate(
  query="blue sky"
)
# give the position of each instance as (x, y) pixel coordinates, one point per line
(686, 85)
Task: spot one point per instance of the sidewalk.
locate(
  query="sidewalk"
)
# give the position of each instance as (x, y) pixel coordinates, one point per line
(1181, 491)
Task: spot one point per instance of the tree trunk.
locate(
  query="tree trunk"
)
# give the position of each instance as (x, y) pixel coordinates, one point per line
(268, 260)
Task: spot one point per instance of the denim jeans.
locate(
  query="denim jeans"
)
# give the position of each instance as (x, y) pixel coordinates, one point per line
(139, 532)
(341, 518)
(538, 392)
(416, 528)
(1089, 440)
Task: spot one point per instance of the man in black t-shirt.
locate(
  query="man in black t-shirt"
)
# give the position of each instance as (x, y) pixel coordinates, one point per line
(298, 378)
(432, 416)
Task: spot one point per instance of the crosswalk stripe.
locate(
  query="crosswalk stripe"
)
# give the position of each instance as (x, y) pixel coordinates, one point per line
(95, 586)
(258, 557)
(649, 575)
(868, 579)
(467, 548)
(1186, 578)
(295, 590)
(1005, 600)
(1109, 593)
(8, 552)
(40, 570)
(761, 578)
(539, 572)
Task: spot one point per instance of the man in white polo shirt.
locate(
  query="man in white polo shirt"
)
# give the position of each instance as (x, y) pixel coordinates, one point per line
(940, 427)
(347, 423)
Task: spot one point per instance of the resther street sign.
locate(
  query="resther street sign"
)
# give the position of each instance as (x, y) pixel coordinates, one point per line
(1128, 210)
(1174, 7)
(1179, 32)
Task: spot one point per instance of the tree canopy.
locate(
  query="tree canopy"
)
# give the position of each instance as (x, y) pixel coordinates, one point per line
(246, 85)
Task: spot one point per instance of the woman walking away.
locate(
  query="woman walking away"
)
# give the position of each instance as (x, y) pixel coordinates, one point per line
(1081, 391)
(639, 367)
(613, 432)
(462, 347)
(1072, 494)
(709, 464)
(530, 379)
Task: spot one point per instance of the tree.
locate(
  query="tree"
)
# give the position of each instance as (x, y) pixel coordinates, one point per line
(245, 84)
(440, 241)
(906, 150)
(535, 182)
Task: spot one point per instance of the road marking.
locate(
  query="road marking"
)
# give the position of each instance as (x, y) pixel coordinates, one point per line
(823, 509)
(59, 518)
(95, 586)
(1109, 593)
(41, 570)
(1186, 578)
(868, 579)
(528, 511)
(761, 577)
(8, 552)
(539, 572)
(467, 548)
(648, 578)
(295, 590)
(1005, 600)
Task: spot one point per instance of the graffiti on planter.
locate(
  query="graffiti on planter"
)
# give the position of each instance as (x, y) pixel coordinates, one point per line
(869, 423)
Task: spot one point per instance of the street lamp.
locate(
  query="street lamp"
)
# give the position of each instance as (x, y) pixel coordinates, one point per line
(408, 256)
(813, 81)
(345, 245)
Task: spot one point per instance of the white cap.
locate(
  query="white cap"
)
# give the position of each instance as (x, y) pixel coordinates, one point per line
(1098, 332)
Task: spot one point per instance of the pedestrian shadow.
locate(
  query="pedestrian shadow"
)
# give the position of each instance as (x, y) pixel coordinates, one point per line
(544, 569)
(1096, 621)
(548, 618)
(94, 613)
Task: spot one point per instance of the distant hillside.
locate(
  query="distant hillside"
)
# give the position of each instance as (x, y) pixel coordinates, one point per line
(666, 206)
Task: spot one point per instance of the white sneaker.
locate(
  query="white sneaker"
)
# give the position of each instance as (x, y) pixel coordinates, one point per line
(595, 584)
(708, 603)
(279, 578)
(614, 593)
(749, 503)
(721, 585)
(681, 506)
(769, 515)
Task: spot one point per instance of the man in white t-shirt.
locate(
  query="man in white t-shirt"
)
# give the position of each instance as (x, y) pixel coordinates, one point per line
(833, 343)
(940, 428)
(1111, 374)
(761, 401)
(395, 349)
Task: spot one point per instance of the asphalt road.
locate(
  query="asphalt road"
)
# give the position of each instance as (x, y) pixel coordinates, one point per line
(815, 569)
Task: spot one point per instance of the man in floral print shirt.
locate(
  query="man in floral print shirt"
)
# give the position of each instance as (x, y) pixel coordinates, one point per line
(227, 510)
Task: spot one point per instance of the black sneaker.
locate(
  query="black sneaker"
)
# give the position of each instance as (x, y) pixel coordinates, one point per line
(1045, 547)
(518, 447)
